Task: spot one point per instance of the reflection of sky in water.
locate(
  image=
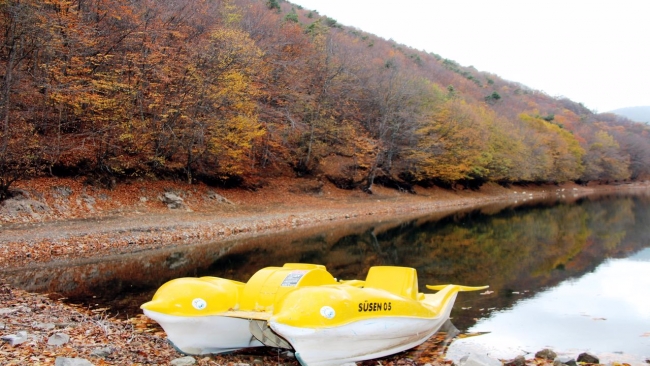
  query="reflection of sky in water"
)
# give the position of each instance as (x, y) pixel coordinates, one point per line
(606, 312)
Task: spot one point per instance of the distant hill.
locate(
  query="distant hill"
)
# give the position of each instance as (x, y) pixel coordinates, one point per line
(637, 114)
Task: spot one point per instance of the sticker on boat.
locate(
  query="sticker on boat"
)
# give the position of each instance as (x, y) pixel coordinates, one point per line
(199, 303)
(327, 312)
(375, 306)
(293, 278)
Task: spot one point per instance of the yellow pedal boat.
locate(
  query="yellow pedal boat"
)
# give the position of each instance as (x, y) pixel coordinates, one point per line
(302, 307)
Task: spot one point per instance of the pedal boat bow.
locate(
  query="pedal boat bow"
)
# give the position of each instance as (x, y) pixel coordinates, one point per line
(210, 315)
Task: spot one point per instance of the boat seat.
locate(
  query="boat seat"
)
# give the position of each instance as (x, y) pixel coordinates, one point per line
(401, 281)
(270, 284)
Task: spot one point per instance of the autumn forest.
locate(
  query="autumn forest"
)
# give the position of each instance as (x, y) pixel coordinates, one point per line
(233, 92)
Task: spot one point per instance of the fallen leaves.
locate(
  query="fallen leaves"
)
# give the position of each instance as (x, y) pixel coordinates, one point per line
(75, 333)
(105, 340)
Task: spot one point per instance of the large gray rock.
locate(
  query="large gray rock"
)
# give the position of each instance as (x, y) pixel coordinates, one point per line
(67, 361)
(15, 207)
(7, 311)
(102, 352)
(43, 326)
(546, 354)
(58, 339)
(183, 361)
(517, 361)
(173, 201)
(564, 360)
(219, 198)
(476, 359)
(15, 339)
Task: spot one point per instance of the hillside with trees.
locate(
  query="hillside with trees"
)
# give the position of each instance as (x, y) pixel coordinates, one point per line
(236, 92)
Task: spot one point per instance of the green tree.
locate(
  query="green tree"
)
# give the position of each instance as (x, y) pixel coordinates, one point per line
(291, 17)
(273, 5)
(493, 98)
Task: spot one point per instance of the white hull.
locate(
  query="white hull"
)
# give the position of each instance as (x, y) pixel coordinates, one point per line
(205, 334)
(361, 340)
(357, 341)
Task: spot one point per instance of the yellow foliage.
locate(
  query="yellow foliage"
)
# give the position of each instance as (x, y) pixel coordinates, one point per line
(555, 154)
(450, 144)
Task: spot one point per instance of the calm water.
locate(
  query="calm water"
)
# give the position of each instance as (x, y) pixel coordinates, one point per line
(606, 311)
(572, 276)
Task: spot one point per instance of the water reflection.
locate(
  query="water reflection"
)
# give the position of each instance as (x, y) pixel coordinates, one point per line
(606, 312)
(520, 251)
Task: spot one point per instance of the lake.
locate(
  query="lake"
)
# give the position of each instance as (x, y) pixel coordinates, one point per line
(572, 275)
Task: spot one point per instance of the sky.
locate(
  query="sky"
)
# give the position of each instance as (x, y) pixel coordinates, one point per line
(593, 52)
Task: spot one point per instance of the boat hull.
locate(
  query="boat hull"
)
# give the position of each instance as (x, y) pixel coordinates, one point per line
(196, 335)
(357, 341)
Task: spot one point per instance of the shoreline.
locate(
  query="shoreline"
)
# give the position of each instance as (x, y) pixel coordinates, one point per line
(135, 221)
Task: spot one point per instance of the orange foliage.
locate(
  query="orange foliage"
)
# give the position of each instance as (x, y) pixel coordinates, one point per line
(230, 89)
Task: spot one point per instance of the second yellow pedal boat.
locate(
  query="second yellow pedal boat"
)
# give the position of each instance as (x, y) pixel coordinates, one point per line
(302, 307)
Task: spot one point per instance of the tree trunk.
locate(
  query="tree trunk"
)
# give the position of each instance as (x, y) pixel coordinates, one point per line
(6, 91)
(188, 166)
